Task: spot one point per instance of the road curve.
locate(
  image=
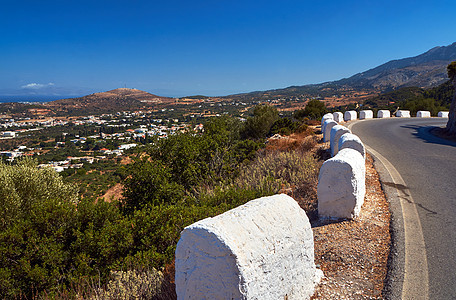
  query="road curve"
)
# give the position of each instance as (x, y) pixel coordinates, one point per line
(423, 168)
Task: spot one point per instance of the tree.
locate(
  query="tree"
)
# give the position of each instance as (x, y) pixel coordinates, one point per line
(315, 109)
(451, 125)
(258, 126)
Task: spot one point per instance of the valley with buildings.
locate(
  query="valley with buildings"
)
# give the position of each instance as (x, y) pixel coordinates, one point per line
(100, 188)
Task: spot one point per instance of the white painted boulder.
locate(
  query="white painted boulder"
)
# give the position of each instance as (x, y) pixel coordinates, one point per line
(350, 115)
(443, 114)
(336, 133)
(366, 114)
(341, 185)
(423, 114)
(338, 117)
(328, 116)
(383, 114)
(261, 250)
(349, 140)
(327, 126)
(403, 114)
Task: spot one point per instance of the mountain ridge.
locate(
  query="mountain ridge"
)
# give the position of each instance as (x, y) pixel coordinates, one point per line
(425, 70)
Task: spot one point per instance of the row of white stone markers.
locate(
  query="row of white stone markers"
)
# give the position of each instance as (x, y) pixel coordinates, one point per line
(265, 248)
(369, 114)
(341, 182)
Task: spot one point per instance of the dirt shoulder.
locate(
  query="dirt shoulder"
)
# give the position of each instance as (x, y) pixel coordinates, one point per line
(353, 255)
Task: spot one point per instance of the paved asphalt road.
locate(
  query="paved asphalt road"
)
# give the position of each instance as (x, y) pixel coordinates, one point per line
(427, 164)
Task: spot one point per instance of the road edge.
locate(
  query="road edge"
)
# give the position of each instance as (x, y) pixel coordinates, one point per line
(407, 275)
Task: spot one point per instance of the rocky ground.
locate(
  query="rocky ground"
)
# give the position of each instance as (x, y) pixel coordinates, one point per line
(353, 254)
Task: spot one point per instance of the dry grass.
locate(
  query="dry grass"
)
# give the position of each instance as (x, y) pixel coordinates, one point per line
(303, 141)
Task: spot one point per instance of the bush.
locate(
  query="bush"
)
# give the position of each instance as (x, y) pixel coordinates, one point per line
(24, 186)
(150, 183)
(283, 126)
(258, 126)
(131, 284)
(315, 109)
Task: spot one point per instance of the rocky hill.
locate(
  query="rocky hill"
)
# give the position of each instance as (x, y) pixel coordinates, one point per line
(121, 99)
(425, 71)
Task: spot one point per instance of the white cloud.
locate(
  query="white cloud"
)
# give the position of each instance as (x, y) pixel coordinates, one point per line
(36, 86)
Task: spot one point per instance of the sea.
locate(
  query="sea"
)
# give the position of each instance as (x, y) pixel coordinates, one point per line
(32, 99)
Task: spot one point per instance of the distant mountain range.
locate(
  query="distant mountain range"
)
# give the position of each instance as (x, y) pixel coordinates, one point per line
(424, 71)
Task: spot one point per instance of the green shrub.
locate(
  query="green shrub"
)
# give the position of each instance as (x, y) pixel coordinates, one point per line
(24, 186)
(315, 109)
(258, 126)
(150, 183)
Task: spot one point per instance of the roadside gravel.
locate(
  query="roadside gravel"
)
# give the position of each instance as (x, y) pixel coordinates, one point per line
(353, 254)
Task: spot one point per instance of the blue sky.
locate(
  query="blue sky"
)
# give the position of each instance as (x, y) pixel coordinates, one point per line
(178, 48)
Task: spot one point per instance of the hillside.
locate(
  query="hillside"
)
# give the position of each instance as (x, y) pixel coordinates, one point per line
(121, 99)
(425, 71)
(414, 99)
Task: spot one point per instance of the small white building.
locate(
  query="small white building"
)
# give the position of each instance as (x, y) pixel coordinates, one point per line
(8, 134)
(126, 146)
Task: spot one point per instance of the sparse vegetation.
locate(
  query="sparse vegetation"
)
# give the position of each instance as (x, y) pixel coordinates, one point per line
(414, 99)
(62, 246)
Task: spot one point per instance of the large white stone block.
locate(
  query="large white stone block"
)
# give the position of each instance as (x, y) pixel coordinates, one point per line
(423, 114)
(328, 116)
(341, 185)
(336, 133)
(443, 114)
(350, 115)
(338, 117)
(349, 140)
(403, 114)
(366, 114)
(327, 126)
(383, 114)
(261, 250)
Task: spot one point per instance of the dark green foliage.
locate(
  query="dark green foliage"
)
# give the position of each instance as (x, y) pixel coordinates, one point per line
(157, 230)
(150, 183)
(414, 99)
(384, 100)
(284, 126)
(51, 242)
(315, 109)
(451, 68)
(424, 104)
(451, 125)
(176, 165)
(258, 126)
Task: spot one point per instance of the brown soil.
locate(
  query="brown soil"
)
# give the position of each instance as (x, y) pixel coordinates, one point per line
(353, 254)
(125, 160)
(113, 193)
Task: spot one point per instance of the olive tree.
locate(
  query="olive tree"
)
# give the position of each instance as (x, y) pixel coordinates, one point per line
(24, 185)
